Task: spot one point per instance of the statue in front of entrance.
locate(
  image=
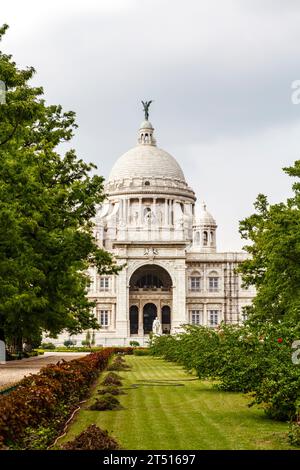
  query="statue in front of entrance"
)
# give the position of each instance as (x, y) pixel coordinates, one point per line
(156, 327)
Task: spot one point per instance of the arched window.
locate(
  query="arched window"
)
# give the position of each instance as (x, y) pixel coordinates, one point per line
(205, 238)
(197, 238)
(212, 240)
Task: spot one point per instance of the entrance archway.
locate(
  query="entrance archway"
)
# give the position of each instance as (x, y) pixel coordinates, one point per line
(149, 315)
(150, 295)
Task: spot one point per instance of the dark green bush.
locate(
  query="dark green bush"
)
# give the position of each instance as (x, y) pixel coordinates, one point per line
(92, 438)
(106, 402)
(48, 346)
(118, 365)
(141, 352)
(112, 379)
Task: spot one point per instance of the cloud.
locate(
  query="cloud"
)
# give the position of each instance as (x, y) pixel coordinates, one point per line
(219, 72)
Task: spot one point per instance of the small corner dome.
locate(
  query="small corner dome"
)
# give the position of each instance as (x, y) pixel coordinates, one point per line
(204, 217)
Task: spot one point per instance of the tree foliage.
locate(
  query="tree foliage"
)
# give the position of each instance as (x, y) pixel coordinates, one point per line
(274, 265)
(47, 201)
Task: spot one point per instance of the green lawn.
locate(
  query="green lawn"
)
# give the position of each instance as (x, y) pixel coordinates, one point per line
(192, 416)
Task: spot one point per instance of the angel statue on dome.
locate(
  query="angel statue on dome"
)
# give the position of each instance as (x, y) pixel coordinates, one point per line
(146, 105)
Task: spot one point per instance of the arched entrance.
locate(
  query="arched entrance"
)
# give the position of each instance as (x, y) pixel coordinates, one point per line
(149, 315)
(150, 295)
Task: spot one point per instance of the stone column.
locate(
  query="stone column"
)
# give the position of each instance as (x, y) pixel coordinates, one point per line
(125, 210)
(154, 214)
(140, 211)
(159, 315)
(179, 296)
(113, 316)
(122, 310)
(128, 210)
(154, 205)
(166, 221)
(205, 318)
(141, 325)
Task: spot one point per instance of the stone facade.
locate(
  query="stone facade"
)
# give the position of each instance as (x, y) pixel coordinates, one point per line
(169, 251)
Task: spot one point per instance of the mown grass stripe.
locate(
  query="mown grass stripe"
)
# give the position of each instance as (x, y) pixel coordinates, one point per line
(193, 416)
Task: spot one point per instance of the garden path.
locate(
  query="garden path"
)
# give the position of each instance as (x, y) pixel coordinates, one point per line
(14, 371)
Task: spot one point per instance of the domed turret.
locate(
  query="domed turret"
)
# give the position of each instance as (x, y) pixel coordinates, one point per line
(204, 231)
(146, 136)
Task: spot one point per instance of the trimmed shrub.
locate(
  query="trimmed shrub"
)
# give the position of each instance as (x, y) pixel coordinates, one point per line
(48, 346)
(141, 352)
(118, 365)
(112, 379)
(120, 360)
(92, 438)
(106, 402)
(123, 350)
(111, 391)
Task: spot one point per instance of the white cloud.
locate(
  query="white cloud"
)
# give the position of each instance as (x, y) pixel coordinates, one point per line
(220, 72)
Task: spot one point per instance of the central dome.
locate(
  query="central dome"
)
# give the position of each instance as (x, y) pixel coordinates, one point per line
(147, 169)
(146, 161)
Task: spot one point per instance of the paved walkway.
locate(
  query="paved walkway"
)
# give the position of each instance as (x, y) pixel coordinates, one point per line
(14, 371)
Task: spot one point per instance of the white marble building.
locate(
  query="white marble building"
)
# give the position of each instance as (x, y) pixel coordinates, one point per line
(152, 224)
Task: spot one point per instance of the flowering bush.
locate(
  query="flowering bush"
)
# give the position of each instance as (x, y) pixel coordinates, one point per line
(47, 397)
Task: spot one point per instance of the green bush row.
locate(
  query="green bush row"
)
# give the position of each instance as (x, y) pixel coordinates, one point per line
(255, 359)
(141, 352)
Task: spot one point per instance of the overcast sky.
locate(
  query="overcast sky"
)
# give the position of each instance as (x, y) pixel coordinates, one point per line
(219, 72)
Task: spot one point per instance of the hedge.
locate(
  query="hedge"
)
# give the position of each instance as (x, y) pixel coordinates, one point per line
(42, 401)
(255, 359)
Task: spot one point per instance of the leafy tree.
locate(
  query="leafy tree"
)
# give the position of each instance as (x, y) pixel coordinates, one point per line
(47, 201)
(274, 266)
